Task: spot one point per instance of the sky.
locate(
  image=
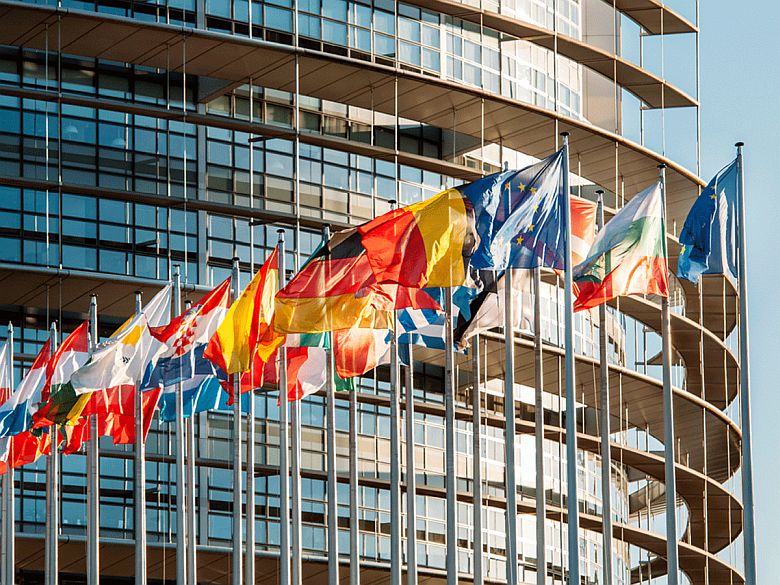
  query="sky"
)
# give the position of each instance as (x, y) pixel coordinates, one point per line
(740, 90)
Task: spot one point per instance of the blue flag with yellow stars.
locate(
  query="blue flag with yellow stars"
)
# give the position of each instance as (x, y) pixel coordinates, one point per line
(530, 224)
(708, 237)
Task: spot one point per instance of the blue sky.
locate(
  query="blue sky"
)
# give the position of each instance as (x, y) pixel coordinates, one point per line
(740, 92)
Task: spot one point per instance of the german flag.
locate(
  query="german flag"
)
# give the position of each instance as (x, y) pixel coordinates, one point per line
(336, 290)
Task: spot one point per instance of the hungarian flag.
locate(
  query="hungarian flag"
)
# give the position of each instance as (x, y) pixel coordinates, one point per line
(336, 290)
(72, 354)
(628, 256)
(248, 326)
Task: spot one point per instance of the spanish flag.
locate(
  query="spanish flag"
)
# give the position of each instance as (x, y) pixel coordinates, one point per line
(248, 326)
(336, 290)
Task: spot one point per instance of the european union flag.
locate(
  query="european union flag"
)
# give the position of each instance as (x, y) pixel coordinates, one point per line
(708, 237)
(531, 230)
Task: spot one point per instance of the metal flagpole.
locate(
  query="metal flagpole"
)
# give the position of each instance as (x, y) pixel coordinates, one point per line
(395, 458)
(573, 520)
(139, 480)
(476, 458)
(192, 530)
(510, 477)
(52, 495)
(354, 492)
(181, 506)
(449, 442)
(604, 423)
(672, 562)
(9, 523)
(744, 381)
(295, 491)
(411, 477)
(93, 471)
(330, 423)
(284, 433)
(250, 488)
(237, 459)
(541, 513)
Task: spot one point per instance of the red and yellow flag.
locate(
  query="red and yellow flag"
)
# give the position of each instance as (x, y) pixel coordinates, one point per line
(248, 326)
(336, 290)
(422, 245)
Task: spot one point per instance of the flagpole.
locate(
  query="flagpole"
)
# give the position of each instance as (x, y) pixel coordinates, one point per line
(250, 483)
(295, 492)
(449, 442)
(411, 477)
(573, 520)
(354, 492)
(541, 513)
(52, 495)
(672, 562)
(237, 459)
(192, 532)
(476, 459)
(93, 471)
(181, 506)
(284, 433)
(510, 474)
(604, 423)
(330, 423)
(395, 458)
(139, 480)
(395, 453)
(744, 381)
(9, 523)
(295, 489)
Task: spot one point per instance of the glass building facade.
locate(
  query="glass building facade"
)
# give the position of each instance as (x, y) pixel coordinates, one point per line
(135, 136)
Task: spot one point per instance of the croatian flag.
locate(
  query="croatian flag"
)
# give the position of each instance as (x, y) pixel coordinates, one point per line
(16, 412)
(186, 337)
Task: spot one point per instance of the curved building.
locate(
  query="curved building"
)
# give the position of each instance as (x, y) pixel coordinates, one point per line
(138, 135)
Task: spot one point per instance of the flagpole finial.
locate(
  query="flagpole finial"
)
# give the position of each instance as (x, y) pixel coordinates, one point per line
(600, 194)
(280, 231)
(506, 165)
(662, 166)
(564, 135)
(739, 144)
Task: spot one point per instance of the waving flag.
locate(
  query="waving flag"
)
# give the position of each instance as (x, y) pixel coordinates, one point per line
(531, 230)
(22, 449)
(16, 412)
(337, 290)
(105, 385)
(487, 309)
(628, 256)
(57, 395)
(201, 392)
(6, 374)
(426, 244)
(247, 328)
(186, 338)
(708, 237)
